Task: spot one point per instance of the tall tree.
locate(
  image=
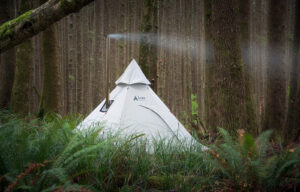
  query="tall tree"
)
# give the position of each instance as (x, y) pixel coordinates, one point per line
(7, 61)
(226, 92)
(51, 75)
(21, 87)
(208, 62)
(292, 131)
(244, 24)
(276, 77)
(148, 48)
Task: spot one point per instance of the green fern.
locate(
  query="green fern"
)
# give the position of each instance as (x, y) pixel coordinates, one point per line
(247, 165)
(89, 160)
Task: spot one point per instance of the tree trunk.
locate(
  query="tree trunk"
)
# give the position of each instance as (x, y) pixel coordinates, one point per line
(208, 67)
(244, 19)
(227, 107)
(32, 22)
(7, 62)
(79, 67)
(21, 87)
(276, 80)
(148, 47)
(51, 74)
(291, 131)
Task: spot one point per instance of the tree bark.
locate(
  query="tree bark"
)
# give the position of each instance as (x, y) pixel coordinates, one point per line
(227, 106)
(148, 50)
(51, 74)
(32, 22)
(291, 131)
(244, 25)
(276, 80)
(7, 62)
(24, 65)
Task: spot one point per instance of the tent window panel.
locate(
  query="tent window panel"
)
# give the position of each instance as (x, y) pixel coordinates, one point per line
(104, 108)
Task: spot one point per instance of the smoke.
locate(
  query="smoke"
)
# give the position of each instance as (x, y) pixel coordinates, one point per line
(175, 44)
(195, 47)
(134, 37)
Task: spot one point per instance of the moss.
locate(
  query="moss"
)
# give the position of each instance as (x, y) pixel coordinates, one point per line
(6, 29)
(91, 34)
(20, 91)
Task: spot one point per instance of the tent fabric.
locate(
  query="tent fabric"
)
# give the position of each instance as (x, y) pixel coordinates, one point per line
(133, 75)
(136, 109)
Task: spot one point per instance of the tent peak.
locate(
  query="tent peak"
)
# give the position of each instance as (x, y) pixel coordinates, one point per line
(133, 75)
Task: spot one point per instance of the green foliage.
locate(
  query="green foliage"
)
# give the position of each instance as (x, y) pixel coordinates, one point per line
(91, 34)
(6, 29)
(249, 164)
(71, 77)
(48, 154)
(194, 104)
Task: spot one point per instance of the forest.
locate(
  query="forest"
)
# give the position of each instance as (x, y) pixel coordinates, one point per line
(228, 70)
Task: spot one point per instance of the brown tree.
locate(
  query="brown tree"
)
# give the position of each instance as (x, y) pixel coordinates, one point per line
(244, 24)
(21, 85)
(148, 47)
(276, 77)
(51, 75)
(226, 83)
(7, 61)
(292, 131)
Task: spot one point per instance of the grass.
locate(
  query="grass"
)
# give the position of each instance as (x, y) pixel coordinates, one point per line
(48, 155)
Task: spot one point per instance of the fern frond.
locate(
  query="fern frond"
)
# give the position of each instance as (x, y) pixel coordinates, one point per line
(262, 143)
(227, 138)
(75, 142)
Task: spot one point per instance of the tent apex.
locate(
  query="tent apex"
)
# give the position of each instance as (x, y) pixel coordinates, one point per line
(133, 75)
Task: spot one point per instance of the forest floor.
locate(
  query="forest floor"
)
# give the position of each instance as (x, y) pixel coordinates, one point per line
(48, 155)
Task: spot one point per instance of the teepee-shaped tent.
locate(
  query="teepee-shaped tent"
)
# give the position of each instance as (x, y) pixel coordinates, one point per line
(136, 109)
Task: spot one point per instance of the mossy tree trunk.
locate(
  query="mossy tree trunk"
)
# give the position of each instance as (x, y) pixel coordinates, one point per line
(148, 48)
(21, 87)
(51, 73)
(292, 130)
(7, 62)
(276, 79)
(226, 94)
(244, 23)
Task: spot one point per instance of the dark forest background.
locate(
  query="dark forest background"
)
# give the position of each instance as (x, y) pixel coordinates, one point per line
(231, 64)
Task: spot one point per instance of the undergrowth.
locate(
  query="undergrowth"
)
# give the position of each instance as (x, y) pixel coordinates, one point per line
(50, 155)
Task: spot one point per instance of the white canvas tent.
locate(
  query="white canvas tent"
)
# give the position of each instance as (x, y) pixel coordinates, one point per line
(136, 109)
